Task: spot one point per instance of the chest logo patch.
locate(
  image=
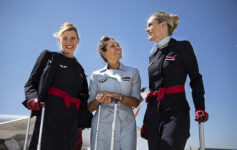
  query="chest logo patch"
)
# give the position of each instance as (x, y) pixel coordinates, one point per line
(125, 78)
(63, 66)
(170, 58)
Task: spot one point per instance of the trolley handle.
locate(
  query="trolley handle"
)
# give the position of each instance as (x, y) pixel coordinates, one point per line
(201, 132)
(115, 100)
(201, 118)
(42, 104)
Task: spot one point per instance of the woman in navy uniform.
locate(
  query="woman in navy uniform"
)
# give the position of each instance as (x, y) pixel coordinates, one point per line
(167, 121)
(58, 80)
(117, 81)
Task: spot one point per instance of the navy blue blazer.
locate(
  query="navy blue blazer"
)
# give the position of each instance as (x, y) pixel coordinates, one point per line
(41, 78)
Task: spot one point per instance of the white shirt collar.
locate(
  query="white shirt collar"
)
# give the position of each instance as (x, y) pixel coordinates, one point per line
(160, 44)
(121, 67)
(164, 41)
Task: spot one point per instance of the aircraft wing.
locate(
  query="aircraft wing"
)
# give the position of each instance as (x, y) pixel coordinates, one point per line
(136, 110)
(16, 126)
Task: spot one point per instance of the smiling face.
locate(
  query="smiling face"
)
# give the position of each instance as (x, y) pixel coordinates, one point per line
(156, 31)
(113, 52)
(68, 42)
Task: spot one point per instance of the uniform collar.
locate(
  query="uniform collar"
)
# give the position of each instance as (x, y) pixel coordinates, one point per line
(62, 54)
(121, 67)
(160, 44)
(164, 41)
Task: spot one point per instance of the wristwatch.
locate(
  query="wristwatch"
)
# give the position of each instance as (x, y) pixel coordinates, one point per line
(121, 97)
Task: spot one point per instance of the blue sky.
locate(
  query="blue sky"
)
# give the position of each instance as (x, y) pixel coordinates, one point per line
(27, 28)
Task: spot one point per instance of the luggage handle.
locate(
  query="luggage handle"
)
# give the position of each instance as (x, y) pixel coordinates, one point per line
(114, 122)
(201, 132)
(97, 127)
(27, 131)
(41, 128)
(114, 100)
(41, 125)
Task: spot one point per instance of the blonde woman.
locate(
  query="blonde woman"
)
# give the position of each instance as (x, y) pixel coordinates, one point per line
(167, 121)
(58, 79)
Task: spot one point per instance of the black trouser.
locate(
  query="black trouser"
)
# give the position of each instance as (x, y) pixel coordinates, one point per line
(166, 130)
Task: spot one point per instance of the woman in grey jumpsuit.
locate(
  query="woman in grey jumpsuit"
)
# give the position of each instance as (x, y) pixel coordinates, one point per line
(117, 81)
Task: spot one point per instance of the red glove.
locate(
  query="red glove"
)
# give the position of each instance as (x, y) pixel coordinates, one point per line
(79, 142)
(143, 131)
(198, 114)
(33, 104)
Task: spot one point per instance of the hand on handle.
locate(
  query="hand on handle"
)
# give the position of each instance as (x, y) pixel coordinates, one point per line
(33, 104)
(201, 115)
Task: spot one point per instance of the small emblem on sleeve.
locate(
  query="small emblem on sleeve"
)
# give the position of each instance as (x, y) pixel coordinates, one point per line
(125, 78)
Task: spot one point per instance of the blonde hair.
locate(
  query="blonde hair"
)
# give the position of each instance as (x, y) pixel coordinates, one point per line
(171, 19)
(66, 27)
